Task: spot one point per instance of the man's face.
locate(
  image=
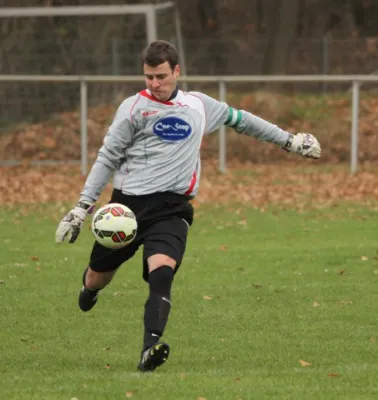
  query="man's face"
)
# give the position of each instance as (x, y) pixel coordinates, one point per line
(161, 80)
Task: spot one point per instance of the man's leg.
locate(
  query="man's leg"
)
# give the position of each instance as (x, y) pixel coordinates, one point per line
(164, 249)
(93, 282)
(103, 264)
(156, 312)
(158, 305)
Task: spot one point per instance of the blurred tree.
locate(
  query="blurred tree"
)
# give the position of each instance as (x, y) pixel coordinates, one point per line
(365, 14)
(282, 18)
(217, 34)
(207, 11)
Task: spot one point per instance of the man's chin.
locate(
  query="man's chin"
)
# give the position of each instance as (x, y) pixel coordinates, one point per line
(160, 96)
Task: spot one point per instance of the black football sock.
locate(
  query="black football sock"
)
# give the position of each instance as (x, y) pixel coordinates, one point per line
(158, 305)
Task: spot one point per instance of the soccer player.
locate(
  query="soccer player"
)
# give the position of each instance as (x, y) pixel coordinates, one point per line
(152, 151)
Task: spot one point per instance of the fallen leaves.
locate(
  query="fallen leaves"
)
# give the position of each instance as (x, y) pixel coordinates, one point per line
(264, 187)
(271, 176)
(333, 375)
(304, 363)
(58, 138)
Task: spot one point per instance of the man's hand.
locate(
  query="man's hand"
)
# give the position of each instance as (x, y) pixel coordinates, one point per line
(304, 144)
(71, 224)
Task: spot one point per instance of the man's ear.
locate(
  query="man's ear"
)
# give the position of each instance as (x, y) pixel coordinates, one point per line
(177, 71)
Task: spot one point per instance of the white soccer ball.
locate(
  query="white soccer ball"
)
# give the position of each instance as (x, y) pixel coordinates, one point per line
(114, 226)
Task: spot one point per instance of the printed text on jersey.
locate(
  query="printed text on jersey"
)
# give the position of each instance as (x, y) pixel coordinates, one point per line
(172, 129)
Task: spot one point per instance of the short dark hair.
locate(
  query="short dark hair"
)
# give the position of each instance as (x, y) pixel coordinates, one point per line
(159, 52)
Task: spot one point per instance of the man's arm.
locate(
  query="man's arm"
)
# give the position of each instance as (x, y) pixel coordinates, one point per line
(219, 113)
(110, 157)
(245, 122)
(304, 144)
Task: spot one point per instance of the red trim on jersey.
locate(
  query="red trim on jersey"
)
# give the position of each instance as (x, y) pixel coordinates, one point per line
(132, 108)
(146, 94)
(192, 184)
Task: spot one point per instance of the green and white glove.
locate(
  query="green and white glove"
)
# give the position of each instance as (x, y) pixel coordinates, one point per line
(304, 144)
(72, 223)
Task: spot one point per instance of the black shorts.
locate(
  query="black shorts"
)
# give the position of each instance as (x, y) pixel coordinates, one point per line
(163, 223)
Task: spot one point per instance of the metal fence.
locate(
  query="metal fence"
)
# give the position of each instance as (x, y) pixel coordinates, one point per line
(221, 82)
(106, 39)
(233, 55)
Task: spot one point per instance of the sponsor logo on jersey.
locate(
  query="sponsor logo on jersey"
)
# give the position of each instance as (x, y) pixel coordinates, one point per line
(172, 129)
(149, 112)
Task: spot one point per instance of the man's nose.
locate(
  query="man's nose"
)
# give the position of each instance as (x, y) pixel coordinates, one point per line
(155, 83)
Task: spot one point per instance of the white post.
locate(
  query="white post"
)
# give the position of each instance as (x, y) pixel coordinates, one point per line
(83, 126)
(151, 24)
(354, 135)
(222, 132)
(325, 48)
(180, 46)
(115, 56)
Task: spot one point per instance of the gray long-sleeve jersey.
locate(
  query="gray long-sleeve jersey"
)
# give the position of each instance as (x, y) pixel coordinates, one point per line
(154, 146)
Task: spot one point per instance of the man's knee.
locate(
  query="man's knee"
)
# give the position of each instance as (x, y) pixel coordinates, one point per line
(160, 281)
(158, 260)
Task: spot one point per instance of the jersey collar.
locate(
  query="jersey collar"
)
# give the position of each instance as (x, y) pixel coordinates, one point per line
(147, 93)
(174, 93)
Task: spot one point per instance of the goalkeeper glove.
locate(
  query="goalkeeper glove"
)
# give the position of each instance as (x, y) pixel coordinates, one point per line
(304, 144)
(71, 224)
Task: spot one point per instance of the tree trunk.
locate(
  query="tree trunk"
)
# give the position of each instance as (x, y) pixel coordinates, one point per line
(214, 46)
(283, 19)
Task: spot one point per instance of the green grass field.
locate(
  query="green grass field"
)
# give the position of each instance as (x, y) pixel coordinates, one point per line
(267, 305)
